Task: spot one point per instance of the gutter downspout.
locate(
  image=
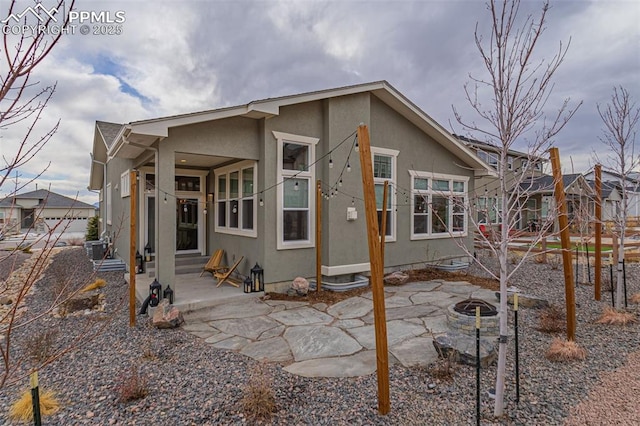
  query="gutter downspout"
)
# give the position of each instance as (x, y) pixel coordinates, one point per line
(104, 188)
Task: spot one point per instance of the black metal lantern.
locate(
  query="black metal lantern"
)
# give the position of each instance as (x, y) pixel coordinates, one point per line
(168, 294)
(248, 285)
(139, 263)
(257, 276)
(154, 292)
(147, 253)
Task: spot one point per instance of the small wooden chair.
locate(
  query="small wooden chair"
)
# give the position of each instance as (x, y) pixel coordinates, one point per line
(223, 275)
(213, 264)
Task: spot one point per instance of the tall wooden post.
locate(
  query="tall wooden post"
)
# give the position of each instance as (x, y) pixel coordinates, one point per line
(563, 222)
(133, 179)
(373, 237)
(383, 222)
(318, 235)
(598, 263)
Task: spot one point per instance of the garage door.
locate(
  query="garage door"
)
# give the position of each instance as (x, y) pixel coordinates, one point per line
(71, 225)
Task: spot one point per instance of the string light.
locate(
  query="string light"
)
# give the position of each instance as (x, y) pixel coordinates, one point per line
(261, 202)
(357, 147)
(348, 167)
(330, 162)
(204, 211)
(296, 187)
(340, 182)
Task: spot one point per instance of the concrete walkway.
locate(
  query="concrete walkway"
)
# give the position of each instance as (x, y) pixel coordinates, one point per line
(339, 340)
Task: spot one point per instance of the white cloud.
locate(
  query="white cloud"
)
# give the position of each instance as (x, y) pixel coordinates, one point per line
(194, 55)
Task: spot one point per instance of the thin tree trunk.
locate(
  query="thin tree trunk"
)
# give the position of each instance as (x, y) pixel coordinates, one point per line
(504, 276)
(619, 271)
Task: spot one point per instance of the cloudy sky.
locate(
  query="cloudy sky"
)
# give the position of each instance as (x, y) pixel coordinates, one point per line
(176, 57)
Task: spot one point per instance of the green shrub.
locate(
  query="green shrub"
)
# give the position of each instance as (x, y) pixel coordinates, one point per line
(92, 229)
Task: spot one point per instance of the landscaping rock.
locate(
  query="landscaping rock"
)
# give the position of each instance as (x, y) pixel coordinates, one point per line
(6, 300)
(462, 348)
(82, 302)
(167, 316)
(301, 286)
(396, 278)
(526, 300)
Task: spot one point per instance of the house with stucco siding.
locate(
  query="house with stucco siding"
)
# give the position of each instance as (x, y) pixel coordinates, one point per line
(244, 178)
(44, 211)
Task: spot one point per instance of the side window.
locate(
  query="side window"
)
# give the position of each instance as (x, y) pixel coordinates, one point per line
(295, 198)
(384, 169)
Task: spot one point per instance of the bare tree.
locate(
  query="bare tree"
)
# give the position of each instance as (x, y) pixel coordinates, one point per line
(517, 87)
(620, 118)
(23, 105)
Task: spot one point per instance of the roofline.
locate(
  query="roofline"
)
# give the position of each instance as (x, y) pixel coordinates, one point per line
(270, 107)
(519, 154)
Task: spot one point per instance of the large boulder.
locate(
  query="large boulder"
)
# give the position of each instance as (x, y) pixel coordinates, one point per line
(167, 316)
(301, 286)
(462, 348)
(82, 302)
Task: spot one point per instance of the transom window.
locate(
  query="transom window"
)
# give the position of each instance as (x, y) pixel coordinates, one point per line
(438, 205)
(295, 202)
(235, 199)
(384, 169)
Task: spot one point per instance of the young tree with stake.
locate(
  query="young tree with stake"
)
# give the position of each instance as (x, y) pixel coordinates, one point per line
(511, 101)
(620, 118)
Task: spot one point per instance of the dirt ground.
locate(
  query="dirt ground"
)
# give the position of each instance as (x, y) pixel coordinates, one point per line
(331, 297)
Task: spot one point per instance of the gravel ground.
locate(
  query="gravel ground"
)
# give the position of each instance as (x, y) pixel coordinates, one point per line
(190, 382)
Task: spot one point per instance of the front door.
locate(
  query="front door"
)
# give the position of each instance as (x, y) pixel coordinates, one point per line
(188, 196)
(187, 224)
(150, 202)
(27, 218)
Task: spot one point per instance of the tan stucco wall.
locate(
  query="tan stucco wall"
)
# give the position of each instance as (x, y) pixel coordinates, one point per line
(331, 121)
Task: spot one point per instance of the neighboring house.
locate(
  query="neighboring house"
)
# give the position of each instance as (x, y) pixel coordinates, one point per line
(42, 211)
(243, 179)
(578, 195)
(487, 189)
(6, 215)
(611, 198)
(631, 185)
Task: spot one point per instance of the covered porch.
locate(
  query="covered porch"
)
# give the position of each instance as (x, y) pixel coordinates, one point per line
(196, 292)
(180, 212)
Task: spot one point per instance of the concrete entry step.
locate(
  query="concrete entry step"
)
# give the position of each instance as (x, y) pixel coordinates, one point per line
(185, 264)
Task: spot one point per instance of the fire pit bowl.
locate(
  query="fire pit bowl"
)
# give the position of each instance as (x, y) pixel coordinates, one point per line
(461, 317)
(468, 307)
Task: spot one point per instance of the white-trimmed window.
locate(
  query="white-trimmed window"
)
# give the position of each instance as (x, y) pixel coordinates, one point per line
(489, 209)
(536, 165)
(108, 204)
(296, 212)
(384, 169)
(438, 205)
(125, 184)
(491, 158)
(235, 202)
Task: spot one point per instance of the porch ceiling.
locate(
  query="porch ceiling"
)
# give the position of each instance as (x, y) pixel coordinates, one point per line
(200, 161)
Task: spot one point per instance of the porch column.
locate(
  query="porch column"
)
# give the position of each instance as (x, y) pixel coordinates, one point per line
(166, 214)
